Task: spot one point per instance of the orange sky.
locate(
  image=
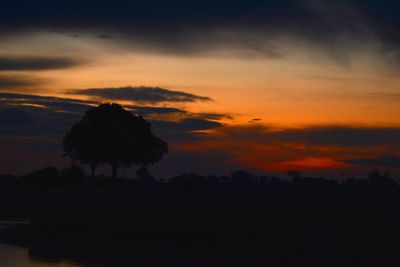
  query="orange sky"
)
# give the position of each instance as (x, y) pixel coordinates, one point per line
(298, 90)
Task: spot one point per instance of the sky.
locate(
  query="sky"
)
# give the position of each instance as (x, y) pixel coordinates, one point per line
(265, 86)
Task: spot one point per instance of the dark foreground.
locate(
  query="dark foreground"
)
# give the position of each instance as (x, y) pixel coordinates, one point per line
(241, 225)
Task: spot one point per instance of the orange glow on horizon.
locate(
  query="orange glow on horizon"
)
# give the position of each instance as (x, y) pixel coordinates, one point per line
(307, 164)
(290, 92)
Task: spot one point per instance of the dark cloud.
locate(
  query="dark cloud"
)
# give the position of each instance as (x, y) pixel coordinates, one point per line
(20, 109)
(60, 105)
(33, 121)
(104, 36)
(187, 27)
(345, 136)
(214, 116)
(33, 116)
(32, 127)
(37, 124)
(149, 95)
(342, 136)
(385, 161)
(147, 111)
(36, 63)
(10, 82)
(186, 129)
(315, 148)
(152, 111)
(189, 124)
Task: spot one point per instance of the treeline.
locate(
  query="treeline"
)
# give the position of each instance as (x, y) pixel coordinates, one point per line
(193, 220)
(74, 176)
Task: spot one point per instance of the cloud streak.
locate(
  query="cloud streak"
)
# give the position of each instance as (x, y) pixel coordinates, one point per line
(384, 161)
(10, 82)
(328, 135)
(36, 63)
(349, 136)
(245, 27)
(38, 123)
(310, 148)
(146, 95)
(32, 115)
(33, 126)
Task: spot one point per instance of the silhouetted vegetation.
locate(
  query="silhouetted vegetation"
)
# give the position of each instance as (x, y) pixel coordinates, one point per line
(194, 220)
(240, 180)
(109, 134)
(190, 219)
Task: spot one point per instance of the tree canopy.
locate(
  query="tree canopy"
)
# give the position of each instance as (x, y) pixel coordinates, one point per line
(109, 134)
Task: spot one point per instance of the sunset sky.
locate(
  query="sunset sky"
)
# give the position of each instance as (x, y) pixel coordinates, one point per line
(266, 86)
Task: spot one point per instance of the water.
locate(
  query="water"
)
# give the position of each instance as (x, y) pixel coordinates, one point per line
(11, 224)
(14, 256)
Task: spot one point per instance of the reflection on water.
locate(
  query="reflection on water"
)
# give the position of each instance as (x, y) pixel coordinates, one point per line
(13, 256)
(11, 224)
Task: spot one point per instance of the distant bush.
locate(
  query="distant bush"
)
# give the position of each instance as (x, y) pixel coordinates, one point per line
(73, 175)
(238, 181)
(45, 176)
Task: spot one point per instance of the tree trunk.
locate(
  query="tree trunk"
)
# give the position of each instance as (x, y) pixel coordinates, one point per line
(114, 168)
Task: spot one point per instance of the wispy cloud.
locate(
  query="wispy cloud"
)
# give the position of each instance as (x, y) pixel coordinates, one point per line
(312, 148)
(384, 161)
(335, 28)
(142, 94)
(11, 82)
(33, 115)
(23, 63)
(38, 123)
(33, 126)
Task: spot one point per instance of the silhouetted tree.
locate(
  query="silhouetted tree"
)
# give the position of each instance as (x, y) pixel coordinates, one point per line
(73, 174)
(44, 177)
(110, 134)
(242, 177)
(374, 175)
(381, 182)
(295, 176)
(46, 173)
(81, 144)
(144, 176)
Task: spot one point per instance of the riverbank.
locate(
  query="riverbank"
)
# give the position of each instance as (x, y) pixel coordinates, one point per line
(124, 227)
